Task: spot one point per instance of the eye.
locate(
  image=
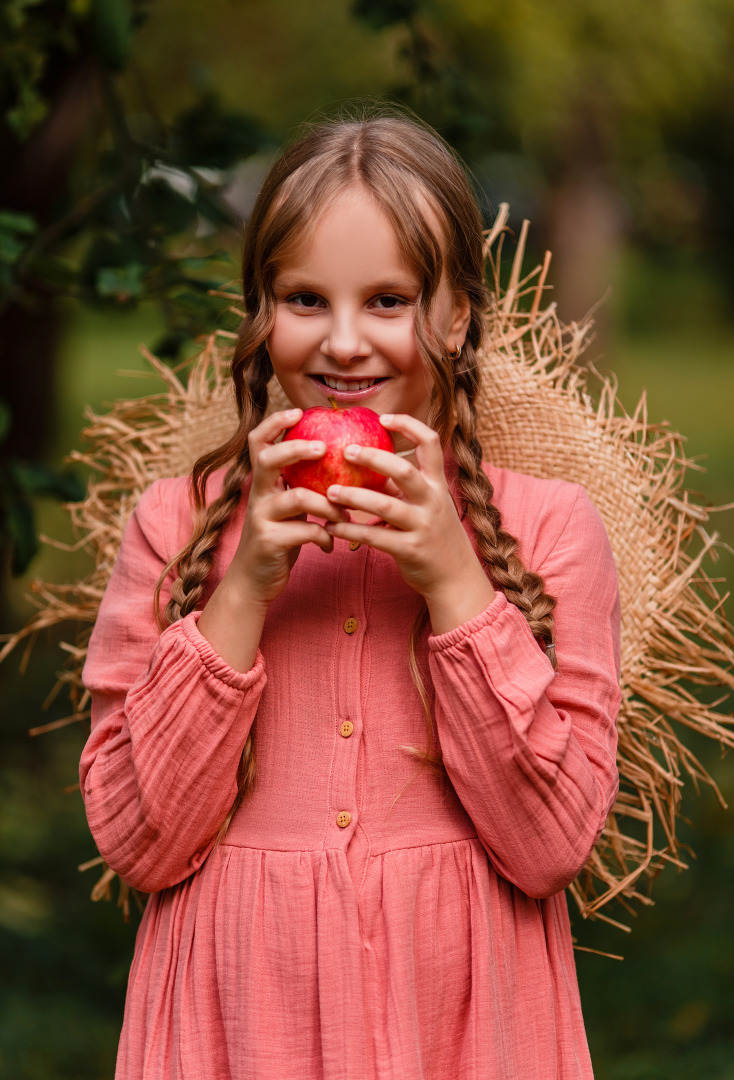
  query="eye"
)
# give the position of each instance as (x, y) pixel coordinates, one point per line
(305, 300)
(390, 302)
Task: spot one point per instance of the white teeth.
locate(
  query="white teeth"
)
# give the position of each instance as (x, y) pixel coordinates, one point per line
(339, 384)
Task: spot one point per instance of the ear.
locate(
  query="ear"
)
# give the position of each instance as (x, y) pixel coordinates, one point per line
(460, 319)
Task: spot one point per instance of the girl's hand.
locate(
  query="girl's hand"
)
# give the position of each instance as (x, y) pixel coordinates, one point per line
(424, 533)
(273, 531)
(275, 524)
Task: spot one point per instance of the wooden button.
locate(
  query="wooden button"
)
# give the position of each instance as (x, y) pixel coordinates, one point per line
(343, 819)
(354, 545)
(350, 625)
(346, 729)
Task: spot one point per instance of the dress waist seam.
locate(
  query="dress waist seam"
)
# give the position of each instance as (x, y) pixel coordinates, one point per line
(321, 849)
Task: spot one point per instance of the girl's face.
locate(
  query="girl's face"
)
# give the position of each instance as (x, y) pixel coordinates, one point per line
(344, 321)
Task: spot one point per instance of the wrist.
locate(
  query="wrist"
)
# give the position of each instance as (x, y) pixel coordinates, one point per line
(238, 590)
(232, 622)
(459, 600)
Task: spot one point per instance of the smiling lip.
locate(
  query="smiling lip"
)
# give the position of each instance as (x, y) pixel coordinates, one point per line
(347, 389)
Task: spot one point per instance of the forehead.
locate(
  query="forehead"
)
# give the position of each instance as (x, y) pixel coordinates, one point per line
(351, 240)
(354, 225)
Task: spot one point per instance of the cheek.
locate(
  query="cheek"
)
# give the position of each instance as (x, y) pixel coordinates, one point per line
(398, 339)
(286, 340)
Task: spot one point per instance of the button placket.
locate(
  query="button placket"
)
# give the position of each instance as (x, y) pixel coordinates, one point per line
(344, 794)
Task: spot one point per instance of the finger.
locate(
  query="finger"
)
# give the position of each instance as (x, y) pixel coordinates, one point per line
(269, 461)
(272, 426)
(403, 474)
(293, 534)
(395, 512)
(374, 536)
(293, 502)
(426, 441)
(276, 456)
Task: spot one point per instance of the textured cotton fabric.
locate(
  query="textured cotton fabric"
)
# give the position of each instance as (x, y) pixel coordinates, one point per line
(429, 938)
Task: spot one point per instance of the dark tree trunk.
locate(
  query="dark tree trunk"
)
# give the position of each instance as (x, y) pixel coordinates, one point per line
(585, 222)
(35, 181)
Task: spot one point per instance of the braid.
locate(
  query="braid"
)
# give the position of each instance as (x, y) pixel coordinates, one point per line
(196, 560)
(251, 371)
(497, 549)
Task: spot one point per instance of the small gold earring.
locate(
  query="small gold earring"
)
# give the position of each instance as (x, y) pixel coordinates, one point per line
(457, 354)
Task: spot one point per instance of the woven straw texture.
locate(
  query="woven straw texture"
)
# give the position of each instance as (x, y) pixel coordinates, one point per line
(540, 413)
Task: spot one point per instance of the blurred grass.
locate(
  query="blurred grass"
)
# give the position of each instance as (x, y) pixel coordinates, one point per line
(664, 1011)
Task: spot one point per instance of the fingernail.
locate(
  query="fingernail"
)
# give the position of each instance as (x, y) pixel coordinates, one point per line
(293, 414)
(387, 418)
(318, 447)
(350, 452)
(333, 492)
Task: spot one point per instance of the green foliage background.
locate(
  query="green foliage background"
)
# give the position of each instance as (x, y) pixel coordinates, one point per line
(192, 100)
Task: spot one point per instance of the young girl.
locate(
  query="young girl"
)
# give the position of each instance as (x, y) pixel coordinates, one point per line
(350, 771)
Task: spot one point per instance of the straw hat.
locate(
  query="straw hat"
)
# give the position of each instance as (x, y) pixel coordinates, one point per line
(539, 413)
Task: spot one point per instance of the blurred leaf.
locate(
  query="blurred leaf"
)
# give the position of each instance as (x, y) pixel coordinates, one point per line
(34, 478)
(211, 206)
(123, 283)
(108, 249)
(10, 248)
(381, 13)
(11, 221)
(55, 270)
(18, 531)
(16, 231)
(168, 347)
(112, 28)
(209, 134)
(195, 263)
(30, 32)
(20, 482)
(167, 210)
(191, 302)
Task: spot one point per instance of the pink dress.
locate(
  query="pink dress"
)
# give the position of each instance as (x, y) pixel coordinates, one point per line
(363, 918)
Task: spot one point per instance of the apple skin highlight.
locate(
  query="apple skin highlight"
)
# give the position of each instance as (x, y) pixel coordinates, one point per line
(337, 428)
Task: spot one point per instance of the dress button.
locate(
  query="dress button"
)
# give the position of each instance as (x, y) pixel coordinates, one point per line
(343, 819)
(346, 728)
(354, 545)
(350, 625)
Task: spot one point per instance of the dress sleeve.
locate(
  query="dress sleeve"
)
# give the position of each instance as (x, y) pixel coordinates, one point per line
(169, 720)
(532, 753)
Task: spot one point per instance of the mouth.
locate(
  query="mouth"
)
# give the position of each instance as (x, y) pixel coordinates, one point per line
(347, 388)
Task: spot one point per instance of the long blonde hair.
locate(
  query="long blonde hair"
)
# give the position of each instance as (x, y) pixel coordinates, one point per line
(416, 180)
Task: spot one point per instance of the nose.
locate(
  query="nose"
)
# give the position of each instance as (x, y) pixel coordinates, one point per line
(345, 340)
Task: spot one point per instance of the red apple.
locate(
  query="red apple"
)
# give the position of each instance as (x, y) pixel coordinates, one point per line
(337, 428)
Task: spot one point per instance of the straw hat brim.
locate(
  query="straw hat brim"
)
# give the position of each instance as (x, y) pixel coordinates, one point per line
(541, 413)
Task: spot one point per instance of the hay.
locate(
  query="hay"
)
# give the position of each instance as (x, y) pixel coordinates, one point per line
(541, 412)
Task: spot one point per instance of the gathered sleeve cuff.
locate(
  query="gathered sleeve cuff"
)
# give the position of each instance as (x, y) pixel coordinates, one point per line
(169, 721)
(531, 752)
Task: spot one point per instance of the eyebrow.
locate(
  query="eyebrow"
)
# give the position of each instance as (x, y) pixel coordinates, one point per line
(302, 285)
(392, 286)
